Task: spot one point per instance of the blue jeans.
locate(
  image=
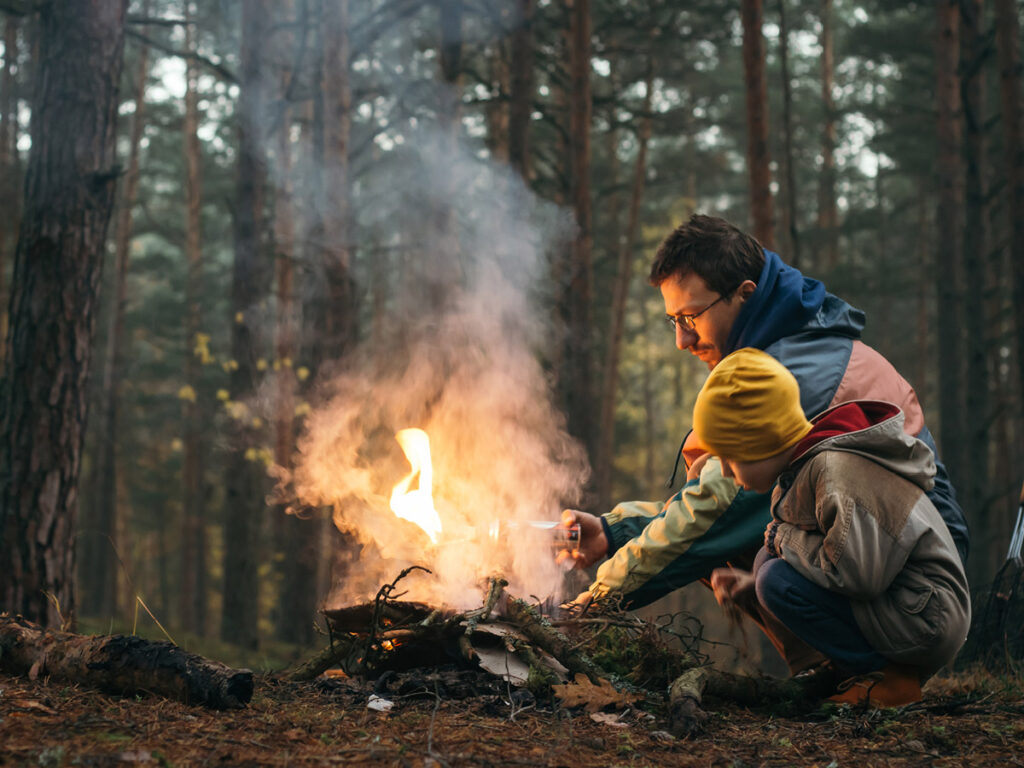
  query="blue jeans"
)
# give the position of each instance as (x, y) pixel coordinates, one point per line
(821, 618)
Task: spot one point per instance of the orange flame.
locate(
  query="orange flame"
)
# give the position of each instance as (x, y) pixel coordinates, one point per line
(416, 506)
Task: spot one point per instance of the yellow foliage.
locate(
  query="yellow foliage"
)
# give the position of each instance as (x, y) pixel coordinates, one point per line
(261, 364)
(302, 409)
(286, 362)
(237, 410)
(239, 317)
(187, 393)
(302, 373)
(223, 394)
(257, 422)
(229, 366)
(177, 445)
(250, 454)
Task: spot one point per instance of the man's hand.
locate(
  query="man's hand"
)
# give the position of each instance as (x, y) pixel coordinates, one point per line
(728, 583)
(593, 544)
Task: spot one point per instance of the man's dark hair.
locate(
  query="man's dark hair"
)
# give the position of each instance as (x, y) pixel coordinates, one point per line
(719, 253)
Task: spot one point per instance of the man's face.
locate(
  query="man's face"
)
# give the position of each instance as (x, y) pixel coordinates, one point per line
(689, 295)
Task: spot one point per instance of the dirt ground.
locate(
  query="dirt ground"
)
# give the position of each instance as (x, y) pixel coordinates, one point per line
(965, 720)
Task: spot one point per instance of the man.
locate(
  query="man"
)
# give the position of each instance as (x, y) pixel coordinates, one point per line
(724, 291)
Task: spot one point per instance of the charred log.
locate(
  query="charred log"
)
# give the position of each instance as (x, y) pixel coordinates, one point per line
(121, 665)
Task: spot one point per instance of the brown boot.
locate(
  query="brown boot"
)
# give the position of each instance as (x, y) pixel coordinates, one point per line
(893, 686)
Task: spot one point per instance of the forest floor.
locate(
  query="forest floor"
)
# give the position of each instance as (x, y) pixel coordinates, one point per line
(967, 719)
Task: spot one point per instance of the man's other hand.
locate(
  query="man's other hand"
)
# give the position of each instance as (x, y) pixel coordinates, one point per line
(593, 544)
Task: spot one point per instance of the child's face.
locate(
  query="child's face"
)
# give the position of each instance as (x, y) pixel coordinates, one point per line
(758, 476)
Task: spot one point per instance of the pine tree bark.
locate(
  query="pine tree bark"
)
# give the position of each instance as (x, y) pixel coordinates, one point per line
(828, 216)
(192, 594)
(577, 365)
(1008, 48)
(69, 195)
(521, 89)
(620, 294)
(99, 564)
(245, 479)
(948, 248)
(789, 217)
(758, 156)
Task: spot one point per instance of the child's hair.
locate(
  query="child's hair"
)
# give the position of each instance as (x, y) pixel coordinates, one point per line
(749, 408)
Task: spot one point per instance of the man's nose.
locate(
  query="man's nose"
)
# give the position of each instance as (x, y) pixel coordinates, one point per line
(685, 337)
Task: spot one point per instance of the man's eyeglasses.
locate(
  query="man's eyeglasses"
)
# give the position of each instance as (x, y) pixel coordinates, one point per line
(686, 320)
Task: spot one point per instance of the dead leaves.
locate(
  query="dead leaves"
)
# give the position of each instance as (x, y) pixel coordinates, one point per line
(592, 697)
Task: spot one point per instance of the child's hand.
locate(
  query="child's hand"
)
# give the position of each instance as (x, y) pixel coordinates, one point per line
(728, 584)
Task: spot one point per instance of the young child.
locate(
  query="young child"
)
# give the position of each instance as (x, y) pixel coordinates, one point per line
(857, 562)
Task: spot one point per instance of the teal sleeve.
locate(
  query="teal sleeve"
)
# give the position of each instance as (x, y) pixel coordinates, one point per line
(699, 529)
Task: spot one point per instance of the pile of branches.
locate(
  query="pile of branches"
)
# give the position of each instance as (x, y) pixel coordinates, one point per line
(602, 654)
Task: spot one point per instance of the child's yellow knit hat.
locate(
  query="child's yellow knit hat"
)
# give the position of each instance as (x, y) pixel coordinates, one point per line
(749, 408)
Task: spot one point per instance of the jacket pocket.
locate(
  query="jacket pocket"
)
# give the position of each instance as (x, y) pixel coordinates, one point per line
(912, 600)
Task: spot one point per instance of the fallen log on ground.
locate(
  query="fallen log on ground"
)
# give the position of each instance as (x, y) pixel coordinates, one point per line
(121, 665)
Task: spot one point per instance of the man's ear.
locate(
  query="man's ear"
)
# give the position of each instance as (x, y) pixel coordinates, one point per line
(746, 289)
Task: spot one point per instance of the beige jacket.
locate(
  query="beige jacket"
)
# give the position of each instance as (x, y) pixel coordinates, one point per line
(854, 518)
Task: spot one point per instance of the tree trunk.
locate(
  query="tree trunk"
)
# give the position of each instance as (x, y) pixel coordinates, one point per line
(1008, 47)
(521, 89)
(298, 537)
(122, 665)
(620, 294)
(336, 243)
(99, 563)
(192, 593)
(8, 162)
(948, 251)
(789, 216)
(576, 370)
(977, 315)
(69, 195)
(245, 478)
(758, 160)
(497, 107)
(828, 216)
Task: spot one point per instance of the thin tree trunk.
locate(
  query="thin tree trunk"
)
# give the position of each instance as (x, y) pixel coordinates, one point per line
(789, 208)
(99, 564)
(521, 89)
(948, 252)
(828, 216)
(8, 162)
(1008, 47)
(497, 108)
(578, 282)
(975, 260)
(69, 195)
(299, 536)
(650, 432)
(193, 587)
(758, 160)
(245, 478)
(921, 354)
(620, 294)
(336, 244)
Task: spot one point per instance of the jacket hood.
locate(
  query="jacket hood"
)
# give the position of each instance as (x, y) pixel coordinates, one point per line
(874, 430)
(785, 302)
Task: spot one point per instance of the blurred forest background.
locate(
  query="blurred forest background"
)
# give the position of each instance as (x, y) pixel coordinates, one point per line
(874, 145)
